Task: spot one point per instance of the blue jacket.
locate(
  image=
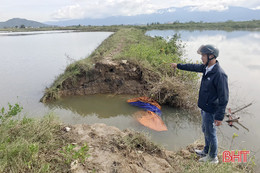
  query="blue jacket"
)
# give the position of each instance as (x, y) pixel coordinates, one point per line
(214, 93)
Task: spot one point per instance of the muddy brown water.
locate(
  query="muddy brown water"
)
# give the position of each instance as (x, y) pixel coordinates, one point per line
(30, 62)
(115, 111)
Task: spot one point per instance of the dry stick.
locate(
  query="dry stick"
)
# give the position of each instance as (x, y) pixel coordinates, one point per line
(234, 126)
(243, 126)
(231, 121)
(241, 108)
(229, 115)
(236, 120)
(230, 118)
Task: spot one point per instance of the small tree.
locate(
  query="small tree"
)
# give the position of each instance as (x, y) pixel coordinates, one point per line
(22, 26)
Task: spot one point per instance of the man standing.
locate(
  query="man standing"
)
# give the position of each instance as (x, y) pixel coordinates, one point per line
(213, 98)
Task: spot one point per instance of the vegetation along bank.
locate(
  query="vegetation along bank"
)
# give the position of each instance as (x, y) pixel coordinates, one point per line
(129, 62)
(227, 26)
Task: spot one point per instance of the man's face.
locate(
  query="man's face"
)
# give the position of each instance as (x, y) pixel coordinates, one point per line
(204, 58)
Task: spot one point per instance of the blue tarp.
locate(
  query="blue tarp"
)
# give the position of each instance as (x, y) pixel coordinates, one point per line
(147, 107)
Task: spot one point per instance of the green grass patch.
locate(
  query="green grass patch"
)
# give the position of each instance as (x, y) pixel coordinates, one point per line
(31, 145)
(73, 152)
(136, 141)
(157, 54)
(192, 165)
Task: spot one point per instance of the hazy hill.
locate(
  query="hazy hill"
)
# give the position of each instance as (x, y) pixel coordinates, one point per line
(17, 22)
(185, 14)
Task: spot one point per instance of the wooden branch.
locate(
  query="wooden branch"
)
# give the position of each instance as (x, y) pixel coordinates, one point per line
(234, 126)
(240, 109)
(243, 126)
(231, 119)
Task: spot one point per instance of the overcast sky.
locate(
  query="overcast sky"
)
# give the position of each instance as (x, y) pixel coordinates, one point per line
(51, 10)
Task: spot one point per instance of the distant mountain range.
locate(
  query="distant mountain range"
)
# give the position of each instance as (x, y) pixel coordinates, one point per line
(17, 22)
(169, 15)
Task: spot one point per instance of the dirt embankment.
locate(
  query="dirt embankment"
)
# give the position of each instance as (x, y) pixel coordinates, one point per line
(112, 150)
(121, 77)
(112, 69)
(107, 76)
(124, 77)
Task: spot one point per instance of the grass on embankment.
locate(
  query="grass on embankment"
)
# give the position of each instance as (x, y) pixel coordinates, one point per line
(30, 145)
(153, 55)
(42, 145)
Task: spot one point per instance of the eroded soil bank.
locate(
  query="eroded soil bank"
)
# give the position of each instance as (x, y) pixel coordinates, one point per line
(118, 77)
(129, 62)
(112, 150)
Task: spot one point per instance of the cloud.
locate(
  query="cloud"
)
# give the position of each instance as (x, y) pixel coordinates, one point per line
(209, 7)
(76, 9)
(69, 12)
(104, 8)
(256, 8)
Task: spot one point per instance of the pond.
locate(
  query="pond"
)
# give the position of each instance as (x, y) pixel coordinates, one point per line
(30, 62)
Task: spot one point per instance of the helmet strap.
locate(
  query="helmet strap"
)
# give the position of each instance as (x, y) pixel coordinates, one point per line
(209, 59)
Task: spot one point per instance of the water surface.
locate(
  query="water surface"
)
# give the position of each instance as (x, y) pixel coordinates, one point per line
(31, 61)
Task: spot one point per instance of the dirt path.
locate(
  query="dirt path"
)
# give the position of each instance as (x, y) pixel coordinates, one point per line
(112, 150)
(109, 59)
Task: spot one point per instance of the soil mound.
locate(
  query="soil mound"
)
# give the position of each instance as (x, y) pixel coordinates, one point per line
(112, 150)
(117, 77)
(106, 77)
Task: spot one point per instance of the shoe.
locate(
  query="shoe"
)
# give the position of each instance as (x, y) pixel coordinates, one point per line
(209, 159)
(200, 153)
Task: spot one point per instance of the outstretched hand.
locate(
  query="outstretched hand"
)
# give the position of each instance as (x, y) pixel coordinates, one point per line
(174, 65)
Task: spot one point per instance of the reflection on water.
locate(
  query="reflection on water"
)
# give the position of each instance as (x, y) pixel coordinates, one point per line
(107, 106)
(32, 33)
(254, 67)
(115, 111)
(104, 106)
